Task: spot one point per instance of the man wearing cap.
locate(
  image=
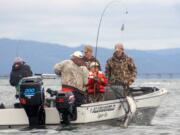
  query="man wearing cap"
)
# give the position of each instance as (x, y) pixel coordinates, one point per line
(96, 83)
(88, 56)
(120, 70)
(73, 73)
(19, 70)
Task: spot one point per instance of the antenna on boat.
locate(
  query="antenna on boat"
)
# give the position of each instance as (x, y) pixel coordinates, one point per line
(101, 19)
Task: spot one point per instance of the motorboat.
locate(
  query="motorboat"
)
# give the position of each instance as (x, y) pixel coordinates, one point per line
(145, 100)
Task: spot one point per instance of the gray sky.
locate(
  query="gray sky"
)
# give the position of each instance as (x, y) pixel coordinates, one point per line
(149, 24)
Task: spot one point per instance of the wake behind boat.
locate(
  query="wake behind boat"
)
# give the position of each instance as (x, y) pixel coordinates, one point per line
(147, 100)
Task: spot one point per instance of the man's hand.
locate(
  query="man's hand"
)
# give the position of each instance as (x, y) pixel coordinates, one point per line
(101, 79)
(57, 72)
(131, 81)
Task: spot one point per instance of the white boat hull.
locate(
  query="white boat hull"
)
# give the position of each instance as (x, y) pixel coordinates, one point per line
(94, 112)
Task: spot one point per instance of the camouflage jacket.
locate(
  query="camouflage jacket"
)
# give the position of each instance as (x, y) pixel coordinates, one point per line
(120, 71)
(89, 61)
(72, 74)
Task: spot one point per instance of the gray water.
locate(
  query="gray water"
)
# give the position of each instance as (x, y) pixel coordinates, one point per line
(165, 122)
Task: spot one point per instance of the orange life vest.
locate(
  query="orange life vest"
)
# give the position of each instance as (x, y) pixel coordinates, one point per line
(96, 85)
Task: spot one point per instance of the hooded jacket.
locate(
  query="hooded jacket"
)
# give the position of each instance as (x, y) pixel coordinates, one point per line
(96, 85)
(73, 73)
(19, 70)
(120, 70)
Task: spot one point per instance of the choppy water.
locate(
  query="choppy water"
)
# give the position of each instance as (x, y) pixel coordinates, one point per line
(165, 122)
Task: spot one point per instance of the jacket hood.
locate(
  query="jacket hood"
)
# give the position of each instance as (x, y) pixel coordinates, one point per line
(17, 66)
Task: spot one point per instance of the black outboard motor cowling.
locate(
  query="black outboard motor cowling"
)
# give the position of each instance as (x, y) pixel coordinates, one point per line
(65, 104)
(32, 99)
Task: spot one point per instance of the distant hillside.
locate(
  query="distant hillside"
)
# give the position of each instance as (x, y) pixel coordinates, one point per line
(43, 56)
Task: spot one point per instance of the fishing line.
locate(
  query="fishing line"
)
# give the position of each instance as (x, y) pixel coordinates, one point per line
(101, 19)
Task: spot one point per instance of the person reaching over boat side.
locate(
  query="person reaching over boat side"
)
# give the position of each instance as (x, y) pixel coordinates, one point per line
(19, 70)
(88, 56)
(74, 74)
(120, 71)
(96, 83)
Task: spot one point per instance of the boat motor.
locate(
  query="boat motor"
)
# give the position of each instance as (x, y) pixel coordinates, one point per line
(65, 104)
(32, 99)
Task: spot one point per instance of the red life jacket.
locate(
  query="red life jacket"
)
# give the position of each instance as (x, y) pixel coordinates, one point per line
(98, 85)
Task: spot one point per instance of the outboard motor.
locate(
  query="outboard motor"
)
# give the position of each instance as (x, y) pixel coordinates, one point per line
(67, 101)
(65, 104)
(32, 100)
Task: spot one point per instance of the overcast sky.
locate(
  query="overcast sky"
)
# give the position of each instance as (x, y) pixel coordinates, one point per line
(149, 24)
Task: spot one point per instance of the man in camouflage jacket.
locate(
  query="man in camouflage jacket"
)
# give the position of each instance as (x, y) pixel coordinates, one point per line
(120, 69)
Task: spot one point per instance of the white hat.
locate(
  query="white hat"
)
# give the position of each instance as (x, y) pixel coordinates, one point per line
(77, 54)
(18, 60)
(94, 64)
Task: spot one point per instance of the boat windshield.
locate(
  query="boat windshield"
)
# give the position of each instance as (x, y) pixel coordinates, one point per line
(53, 83)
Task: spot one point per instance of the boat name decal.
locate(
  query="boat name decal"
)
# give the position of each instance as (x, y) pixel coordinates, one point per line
(104, 108)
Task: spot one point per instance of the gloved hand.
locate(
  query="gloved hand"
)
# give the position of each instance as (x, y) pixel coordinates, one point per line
(51, 92)
(16, 96)
(96, 78)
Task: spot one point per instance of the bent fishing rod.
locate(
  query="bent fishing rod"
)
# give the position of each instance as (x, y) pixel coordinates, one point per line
(127, 118)
(101, 19)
